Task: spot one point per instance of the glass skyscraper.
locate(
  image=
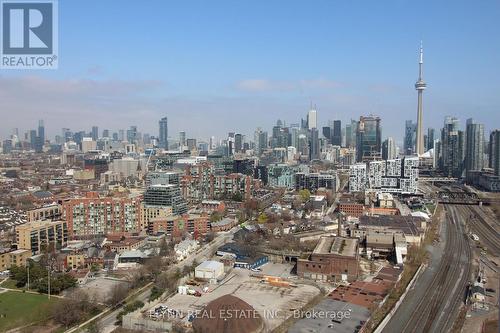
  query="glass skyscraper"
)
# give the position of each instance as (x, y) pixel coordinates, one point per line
(163, 133)
(368, 139)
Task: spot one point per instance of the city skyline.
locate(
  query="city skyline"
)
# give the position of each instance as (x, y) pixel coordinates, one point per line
(349, 74)
(161, 161)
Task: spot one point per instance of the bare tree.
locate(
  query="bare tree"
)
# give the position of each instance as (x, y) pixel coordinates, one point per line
(71, 310)
(66, 312)
(118, 294)
(154, 265)
(94, 327)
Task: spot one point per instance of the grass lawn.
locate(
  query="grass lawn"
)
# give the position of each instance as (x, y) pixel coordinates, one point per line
(9, 284)
(431, 208)
(19, 309)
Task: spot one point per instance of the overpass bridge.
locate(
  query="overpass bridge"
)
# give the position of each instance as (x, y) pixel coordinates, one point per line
(283, 255)
(438, 179)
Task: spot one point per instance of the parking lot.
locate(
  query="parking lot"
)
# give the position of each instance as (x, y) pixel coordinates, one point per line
(281, 270)
(273, 303)
(100, 288)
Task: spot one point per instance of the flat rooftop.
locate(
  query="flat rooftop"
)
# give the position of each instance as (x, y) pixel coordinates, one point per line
(327, 311)
(337, 245)
(409, 225)
(39, 224)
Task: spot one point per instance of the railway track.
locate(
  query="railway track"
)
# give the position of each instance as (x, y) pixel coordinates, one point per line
(458, 295)
(478, 223)
(439, 305)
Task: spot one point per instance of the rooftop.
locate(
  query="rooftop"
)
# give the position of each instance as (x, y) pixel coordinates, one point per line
(133, 254)
(409, 225)
(332, 320)
(209, 264)
(38, 224)
(223, 222)
(162, 185)
(337, 245)
(234, 324)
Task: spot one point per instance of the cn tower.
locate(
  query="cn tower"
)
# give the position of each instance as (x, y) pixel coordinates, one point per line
(420, 86)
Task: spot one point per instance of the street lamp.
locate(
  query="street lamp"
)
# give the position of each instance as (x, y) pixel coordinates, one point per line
(28, 275)
(51, 260)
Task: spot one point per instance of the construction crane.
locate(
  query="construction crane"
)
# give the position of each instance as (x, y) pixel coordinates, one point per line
(152, 152)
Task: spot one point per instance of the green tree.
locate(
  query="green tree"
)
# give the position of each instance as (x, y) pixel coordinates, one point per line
(305, 195)
(215, 216)
(237, 197)
(262, 218)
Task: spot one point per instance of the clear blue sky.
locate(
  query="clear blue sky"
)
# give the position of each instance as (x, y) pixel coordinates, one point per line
(218, 66)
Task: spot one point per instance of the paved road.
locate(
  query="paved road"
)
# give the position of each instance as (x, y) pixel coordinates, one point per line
(107, 323)
(433, 302)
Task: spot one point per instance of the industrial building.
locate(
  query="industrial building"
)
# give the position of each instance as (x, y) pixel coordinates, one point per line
(209, 270)
(333, 259)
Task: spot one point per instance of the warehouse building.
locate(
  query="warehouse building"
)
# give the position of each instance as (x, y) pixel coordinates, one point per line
(333, 259)
(209, 270)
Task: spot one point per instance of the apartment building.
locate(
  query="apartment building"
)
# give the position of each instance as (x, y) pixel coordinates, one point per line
(47, 212)
(176, 225)
(95, 215)
(35, 236)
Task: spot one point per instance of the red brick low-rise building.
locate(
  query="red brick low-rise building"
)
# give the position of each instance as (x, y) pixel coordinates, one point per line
(117, 243)
(213, 206)
(351, 208)
(176, 225)
(225, 224)
(333, 259)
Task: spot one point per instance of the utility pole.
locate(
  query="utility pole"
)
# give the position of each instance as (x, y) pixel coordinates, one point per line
(48, 281)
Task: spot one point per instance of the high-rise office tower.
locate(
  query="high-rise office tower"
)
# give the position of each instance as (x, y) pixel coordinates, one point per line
(389, 149)
(314, 153)
(280, 137)
(494, 151)
(238, 143)
(337, 133)
(430, 138)
(368, 139)
(191, 144)
(452, 148)
(260, 138)
(409, 142)
(230, 144)
(212, 142)
(420, 87)
(66, 134)
(33, 139)
(41, 137)
(474, 148)
(312, 119)
(95, 133)
(163, 133)
(105, 133)
(146, 138)
(132, 134)
(438, 153)
(182, 139)
(294, 136)
(327, 133)
(41, 131)
(121, 135)
(350, 134)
